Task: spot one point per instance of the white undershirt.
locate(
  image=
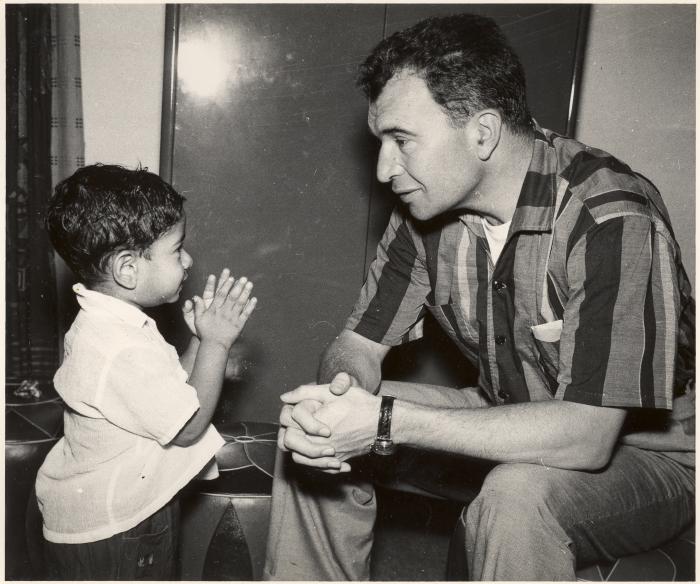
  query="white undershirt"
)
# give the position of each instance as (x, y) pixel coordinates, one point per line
(496, 236)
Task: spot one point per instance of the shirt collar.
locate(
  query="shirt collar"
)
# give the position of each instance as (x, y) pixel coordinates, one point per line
(535, 208)
(91, 300)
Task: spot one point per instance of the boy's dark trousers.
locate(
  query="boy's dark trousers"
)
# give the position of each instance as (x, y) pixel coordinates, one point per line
(145, 552)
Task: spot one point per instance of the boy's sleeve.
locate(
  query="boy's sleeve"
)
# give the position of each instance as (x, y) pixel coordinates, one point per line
(144, 392)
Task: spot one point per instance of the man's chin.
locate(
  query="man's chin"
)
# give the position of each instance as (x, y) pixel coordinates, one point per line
(421, 214)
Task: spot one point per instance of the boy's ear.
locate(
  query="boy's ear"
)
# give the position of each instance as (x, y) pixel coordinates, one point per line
(125, 269)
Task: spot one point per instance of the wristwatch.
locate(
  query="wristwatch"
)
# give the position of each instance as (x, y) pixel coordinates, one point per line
(383, 444)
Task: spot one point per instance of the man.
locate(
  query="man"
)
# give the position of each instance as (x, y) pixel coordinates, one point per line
(554, 269)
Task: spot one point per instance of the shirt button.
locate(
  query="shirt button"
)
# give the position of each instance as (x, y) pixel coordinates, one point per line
(504, 395)
(500, 340)
(499, 285)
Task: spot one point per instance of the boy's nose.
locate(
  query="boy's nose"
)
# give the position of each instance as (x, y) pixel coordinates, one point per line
(187, 260)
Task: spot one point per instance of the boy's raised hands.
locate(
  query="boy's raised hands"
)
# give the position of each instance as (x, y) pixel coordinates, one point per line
(233, 304)
(210, 289)
(222, 318)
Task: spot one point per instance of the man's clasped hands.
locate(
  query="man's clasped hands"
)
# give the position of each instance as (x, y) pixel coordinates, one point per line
(325, 425)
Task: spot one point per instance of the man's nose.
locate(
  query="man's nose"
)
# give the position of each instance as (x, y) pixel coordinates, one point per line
(387, 165)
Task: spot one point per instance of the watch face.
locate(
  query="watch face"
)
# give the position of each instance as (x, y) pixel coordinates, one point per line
(383, 447)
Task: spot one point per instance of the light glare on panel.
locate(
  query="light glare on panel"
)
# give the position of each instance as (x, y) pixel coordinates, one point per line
(202, 68)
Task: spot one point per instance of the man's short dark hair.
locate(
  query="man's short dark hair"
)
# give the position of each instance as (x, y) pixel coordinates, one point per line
(102, 209)
(464, 60)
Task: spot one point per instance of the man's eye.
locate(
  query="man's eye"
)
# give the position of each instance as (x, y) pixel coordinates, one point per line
(401, 142)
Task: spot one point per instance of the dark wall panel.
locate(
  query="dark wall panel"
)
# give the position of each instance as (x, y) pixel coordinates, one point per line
(269, 143)
(273, 160)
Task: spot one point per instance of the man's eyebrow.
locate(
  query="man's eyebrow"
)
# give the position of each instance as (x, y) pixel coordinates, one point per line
(395, 130)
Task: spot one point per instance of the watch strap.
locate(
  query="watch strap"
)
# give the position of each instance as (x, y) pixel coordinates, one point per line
(383, 443)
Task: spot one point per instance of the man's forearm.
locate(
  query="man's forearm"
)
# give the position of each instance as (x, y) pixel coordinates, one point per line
(552, 433)
(358, 357)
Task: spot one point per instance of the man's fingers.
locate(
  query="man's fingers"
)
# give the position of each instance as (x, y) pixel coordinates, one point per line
(303, 415)
(280, 439)
(314, 392)
(340, 384)
(307, 446)
(286, 419)
(327, 463)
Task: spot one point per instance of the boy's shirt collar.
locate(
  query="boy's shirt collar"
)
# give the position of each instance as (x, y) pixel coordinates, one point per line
(90, 300)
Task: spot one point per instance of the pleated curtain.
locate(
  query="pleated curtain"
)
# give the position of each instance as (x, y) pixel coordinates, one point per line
(44, 138)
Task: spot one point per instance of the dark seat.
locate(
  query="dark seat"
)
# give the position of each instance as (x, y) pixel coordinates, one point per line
(32, 427)
(224, 521)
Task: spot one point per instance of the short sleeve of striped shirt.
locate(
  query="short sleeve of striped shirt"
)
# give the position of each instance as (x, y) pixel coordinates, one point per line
(618, 342)
(390, 307)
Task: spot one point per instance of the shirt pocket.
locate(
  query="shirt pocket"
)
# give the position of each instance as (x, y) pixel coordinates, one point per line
(547, 336)
(548, 332)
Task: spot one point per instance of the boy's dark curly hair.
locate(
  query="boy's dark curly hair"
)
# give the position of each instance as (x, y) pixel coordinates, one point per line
(102, 209)
(464, 60)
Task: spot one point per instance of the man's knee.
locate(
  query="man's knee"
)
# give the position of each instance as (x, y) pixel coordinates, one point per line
(511, 493)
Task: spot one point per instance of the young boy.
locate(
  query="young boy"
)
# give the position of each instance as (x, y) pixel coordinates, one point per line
(137, 423)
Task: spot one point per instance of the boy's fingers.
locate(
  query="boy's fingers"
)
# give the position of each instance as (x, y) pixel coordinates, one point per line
(225, 273)
(244, 295)
(208, 293)
(248, 309)
(239, 295)
(223, 291)
(187, 306)
(198, 306)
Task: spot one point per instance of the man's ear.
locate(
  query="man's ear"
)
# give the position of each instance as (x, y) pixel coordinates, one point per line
(489, 126)
(125, 268)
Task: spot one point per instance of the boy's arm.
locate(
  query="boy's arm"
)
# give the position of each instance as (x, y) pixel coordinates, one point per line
(207, 377)
(220, 325)
(188, 356)
(190, 353)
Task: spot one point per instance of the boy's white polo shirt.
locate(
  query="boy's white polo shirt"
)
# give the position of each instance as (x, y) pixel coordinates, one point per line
(127, 397)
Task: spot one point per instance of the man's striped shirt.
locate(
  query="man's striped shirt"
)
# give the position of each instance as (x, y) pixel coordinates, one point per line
(582, 305)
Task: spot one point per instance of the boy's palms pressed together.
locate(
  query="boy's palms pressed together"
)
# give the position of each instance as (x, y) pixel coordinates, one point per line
(222, 319)
(217, 321)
